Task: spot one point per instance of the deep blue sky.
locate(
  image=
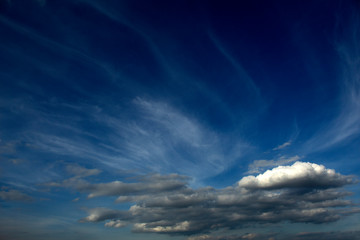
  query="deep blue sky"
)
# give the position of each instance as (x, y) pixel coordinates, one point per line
(147, 119)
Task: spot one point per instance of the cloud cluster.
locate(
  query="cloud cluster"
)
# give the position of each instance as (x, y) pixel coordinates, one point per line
(303, 192)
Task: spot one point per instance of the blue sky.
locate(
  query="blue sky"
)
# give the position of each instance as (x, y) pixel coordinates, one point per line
(188, 120)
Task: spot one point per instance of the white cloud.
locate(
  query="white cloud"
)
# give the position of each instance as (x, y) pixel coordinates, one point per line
(300, 174)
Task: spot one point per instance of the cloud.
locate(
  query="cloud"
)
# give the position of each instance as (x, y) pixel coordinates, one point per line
(147, 185)
(346, 125)
(343, 235)
(300, 174)
(157, 137)
(79, 171)
(101, 214)
(334, 235)
(245, 77)
(306, 192)
(151, 184)
(229, 237)
(115, 224)
(14, 195)
(284, 145)
(163, 228)
(259, 165)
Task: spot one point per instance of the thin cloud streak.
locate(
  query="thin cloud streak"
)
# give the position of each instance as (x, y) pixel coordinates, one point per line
(347, 124)
(240, 70)
(259, 165)
(284, 145)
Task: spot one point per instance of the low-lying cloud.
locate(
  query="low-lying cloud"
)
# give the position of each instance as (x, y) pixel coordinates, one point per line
(303, 192)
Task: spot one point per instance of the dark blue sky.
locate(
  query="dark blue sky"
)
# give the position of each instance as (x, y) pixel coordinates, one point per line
(192, 119)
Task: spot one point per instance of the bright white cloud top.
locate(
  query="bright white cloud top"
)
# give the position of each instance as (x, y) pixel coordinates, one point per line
(300, 174)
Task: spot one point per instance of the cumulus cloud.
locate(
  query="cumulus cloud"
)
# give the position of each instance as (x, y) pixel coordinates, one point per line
(14, 195)
(303, 192)
(300, 174)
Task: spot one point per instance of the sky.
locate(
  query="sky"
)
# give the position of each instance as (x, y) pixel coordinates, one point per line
(182, 120)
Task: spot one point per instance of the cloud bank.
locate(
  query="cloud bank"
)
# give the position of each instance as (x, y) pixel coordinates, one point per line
(303, 192)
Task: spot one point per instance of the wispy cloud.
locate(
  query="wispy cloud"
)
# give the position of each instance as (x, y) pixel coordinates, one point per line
(79, 171)
(154, 137)
(284, 145)
(347, 123)
(14, 195)
(243, 75)
(259, 165)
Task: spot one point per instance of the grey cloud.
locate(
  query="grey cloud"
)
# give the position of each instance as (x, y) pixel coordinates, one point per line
(115, 224)
(79, 171)
(151, 184)
(334, 235)
(14, 195)
(166, 204)
(343, 235)
(254, 236)
(101, 214)
(284, 145)
(259, 165)
(300, 174)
